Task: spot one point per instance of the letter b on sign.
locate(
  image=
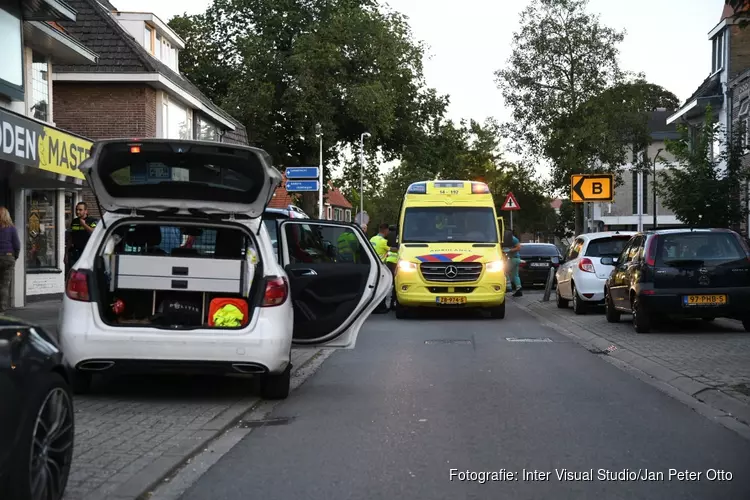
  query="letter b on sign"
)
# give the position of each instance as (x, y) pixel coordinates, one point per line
(597, 188)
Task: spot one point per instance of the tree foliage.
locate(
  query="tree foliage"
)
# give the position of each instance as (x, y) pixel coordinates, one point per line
(562, 58)
(703, 188)
(465, 151)
(281, 66)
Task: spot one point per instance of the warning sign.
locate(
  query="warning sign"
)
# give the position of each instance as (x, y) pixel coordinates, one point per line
(511, 203)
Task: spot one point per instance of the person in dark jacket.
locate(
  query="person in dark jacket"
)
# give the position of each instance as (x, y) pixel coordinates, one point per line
(10, 248)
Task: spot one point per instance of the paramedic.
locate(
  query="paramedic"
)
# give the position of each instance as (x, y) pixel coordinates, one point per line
(391, 259)
(514, 256)
(380, 244)
(80, 231)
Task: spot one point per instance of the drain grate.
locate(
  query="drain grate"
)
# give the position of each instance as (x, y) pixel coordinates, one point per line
(528, 339)
(447, 341)
(247, 424)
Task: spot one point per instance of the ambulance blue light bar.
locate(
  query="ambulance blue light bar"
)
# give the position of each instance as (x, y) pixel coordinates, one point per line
(417, 188)
(479, 188)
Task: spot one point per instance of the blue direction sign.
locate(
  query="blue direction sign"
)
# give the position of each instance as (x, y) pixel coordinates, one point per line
(297, 186)
(302, 172)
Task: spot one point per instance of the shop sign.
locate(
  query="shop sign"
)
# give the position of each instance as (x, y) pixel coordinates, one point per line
(30, 143)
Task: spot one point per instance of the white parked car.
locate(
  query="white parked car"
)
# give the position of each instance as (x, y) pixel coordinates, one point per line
(581, 276)
(180, 275)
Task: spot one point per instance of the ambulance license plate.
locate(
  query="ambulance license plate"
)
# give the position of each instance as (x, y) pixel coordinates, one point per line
(450, 300)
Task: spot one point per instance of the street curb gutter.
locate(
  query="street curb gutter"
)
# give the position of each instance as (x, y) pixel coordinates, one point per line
(137, 484)
(709, 401)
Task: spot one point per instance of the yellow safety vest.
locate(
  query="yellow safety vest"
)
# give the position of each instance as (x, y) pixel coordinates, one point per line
(229, 316)
(391, 257)
(381, 246)
(347, 245)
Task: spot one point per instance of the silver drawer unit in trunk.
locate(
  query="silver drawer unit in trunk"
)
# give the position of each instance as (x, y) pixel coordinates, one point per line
(189, 274)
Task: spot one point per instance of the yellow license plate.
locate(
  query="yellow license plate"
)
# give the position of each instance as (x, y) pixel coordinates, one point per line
(705, 300)
(450, 300)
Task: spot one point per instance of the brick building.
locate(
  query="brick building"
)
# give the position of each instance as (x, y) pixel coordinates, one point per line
(135, 89)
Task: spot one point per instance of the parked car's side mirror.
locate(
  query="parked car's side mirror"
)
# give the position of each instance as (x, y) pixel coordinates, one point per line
(609, 261)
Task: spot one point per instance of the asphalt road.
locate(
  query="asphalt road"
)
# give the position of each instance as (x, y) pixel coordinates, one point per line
(391, 418)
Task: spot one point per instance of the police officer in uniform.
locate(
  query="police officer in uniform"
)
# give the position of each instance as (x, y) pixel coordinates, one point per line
(80, 231)
(391, 259)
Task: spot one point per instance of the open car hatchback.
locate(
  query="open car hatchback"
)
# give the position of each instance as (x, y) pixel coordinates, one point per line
(181, 274)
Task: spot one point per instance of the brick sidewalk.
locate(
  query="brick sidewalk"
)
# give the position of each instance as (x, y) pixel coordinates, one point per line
(132, 432)
(709, 361)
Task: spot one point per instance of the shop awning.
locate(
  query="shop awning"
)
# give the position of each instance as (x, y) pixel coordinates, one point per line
(34, 144)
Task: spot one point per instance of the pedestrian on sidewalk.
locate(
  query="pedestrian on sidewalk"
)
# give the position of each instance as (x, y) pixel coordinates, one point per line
(514, 256)
(10, 248)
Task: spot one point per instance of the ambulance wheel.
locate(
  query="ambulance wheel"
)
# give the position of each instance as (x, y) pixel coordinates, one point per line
(401, 312)
(498, 312)
(276, 385)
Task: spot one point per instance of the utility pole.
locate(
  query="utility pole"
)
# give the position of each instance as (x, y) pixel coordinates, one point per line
(319, 135)
(653, 187)
(362, 171)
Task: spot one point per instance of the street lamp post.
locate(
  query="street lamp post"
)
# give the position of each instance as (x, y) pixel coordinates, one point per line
(362, 172)
(656, 157)
(319, 135)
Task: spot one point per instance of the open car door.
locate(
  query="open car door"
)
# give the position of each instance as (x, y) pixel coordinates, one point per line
(336, 280)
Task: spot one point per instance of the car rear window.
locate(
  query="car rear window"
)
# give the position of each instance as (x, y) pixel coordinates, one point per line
(539, 250)
(716, 247)
(607, 247)
(181, 171)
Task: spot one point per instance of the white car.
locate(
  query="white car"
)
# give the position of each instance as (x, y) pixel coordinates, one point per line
(180, 275)
(581, 275)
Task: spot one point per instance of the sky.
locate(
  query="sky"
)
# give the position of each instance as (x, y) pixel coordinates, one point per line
(469, 40)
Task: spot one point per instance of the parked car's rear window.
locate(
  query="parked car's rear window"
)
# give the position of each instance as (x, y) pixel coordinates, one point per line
(539, 250)
(607, 247)
(699, 246)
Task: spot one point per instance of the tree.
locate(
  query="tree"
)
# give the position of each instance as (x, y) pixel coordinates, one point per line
(565, 220)
(535, 214)
(287, 65)
(561, 58)
(699, 189)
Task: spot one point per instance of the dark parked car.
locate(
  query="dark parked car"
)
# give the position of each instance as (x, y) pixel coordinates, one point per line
(536, 261)
(698, 273)
(36, 414)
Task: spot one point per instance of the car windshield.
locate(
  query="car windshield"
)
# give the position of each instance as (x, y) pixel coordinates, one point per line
(607, 247)
(453, 224)
(698, 247)
(539, 250)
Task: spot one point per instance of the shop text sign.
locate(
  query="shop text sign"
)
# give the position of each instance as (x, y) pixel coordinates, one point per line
(30, 143)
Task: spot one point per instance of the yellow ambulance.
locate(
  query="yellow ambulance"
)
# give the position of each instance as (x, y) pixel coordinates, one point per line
(450, 248)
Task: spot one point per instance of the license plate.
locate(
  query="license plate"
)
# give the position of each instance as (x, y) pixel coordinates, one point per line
(450, 300)
(704, 300)
(539, 264)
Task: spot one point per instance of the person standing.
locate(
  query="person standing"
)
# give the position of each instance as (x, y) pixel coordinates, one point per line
(514, 256)
(80, 232)
(391, 260)
(10, 249)
(380, 244)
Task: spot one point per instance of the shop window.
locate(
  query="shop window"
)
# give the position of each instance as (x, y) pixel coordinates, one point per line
(40, 87)
(41, 230)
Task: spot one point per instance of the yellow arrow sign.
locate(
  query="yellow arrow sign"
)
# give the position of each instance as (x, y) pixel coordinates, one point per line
(592, 187)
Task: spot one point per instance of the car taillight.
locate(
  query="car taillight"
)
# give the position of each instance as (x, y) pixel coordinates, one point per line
(77, 287)
(586, 266)
(651, 251)
(276, 292)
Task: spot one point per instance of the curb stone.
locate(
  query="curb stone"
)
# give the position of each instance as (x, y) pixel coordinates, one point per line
(732, 412)
(134, 484)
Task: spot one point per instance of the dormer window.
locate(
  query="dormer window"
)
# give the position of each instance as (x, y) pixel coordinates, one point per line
(148, 38)
(718, 53)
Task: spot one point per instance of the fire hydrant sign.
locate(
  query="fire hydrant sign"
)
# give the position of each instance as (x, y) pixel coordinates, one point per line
(511, 203)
